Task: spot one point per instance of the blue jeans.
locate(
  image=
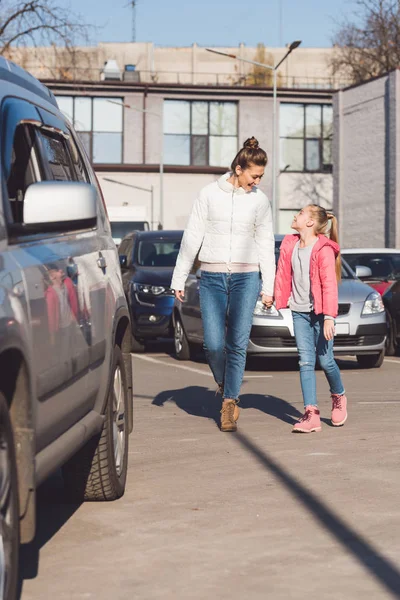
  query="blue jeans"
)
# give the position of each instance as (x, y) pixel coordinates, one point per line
(227, 302)
(311, 343)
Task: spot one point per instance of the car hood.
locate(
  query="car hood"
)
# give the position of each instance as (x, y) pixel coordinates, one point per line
(153, 275)
(353, 290)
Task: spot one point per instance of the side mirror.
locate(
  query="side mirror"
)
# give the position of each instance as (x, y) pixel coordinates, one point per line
(71, 203)
(362, 271)
(123, 261)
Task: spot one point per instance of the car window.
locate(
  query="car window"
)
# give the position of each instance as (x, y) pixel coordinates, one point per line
(77, 162)
(56, 156)
(158, 253)
(382, 265)
(23, 170)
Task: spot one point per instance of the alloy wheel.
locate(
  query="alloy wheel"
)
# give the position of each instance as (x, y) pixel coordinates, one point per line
(119, 430)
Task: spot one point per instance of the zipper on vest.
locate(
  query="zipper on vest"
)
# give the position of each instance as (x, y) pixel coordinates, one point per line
(230, 240)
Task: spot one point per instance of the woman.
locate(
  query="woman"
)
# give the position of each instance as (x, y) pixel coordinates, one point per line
(307, 278)
(231, 225)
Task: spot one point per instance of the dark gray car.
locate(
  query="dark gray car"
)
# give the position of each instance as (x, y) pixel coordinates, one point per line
(65, 334)
(360, 327)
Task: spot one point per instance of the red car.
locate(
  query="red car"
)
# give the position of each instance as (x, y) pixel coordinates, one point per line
(380, 268)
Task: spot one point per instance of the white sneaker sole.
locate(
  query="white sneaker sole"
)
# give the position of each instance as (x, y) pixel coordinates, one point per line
(339, 424)
(298, 430)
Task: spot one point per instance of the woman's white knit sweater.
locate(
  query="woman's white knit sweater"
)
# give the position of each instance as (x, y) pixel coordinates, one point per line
(228, 225)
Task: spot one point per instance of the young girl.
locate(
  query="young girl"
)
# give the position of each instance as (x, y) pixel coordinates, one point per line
(308, 273)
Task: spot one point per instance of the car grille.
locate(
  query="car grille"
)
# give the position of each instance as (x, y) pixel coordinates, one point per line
(350, 341)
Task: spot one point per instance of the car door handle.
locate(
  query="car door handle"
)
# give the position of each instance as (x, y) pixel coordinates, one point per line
(101, 261)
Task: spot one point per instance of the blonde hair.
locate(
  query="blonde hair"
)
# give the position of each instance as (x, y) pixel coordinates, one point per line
(326, 224)
(250, 154)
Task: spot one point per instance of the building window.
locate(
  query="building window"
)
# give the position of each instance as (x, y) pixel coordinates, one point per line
(200, 133)
(99, 124)
(306, 137)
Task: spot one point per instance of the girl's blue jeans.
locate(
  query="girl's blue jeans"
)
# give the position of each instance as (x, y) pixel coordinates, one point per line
(311, 344)
(227, 302)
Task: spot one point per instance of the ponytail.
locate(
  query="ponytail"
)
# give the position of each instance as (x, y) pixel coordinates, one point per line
(322, 218)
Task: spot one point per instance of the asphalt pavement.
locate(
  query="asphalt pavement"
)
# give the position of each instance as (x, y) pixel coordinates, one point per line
(258, 514)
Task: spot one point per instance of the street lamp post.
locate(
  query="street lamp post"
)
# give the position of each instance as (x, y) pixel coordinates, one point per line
(161, 117)
(274, 69)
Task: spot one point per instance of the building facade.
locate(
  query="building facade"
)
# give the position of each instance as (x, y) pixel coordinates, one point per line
(193, 132)
(366, 162)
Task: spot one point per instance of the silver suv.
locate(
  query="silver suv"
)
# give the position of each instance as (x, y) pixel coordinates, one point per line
(65, 341)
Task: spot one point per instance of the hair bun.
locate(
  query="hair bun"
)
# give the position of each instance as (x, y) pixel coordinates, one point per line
(251, 143)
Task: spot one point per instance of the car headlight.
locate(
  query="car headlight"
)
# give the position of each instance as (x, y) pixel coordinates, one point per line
(261, 311)
(373, 305)
(151, 290)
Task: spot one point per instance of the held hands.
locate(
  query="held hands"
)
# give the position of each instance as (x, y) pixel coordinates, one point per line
(180, 295)
(329, 329)
(267, 300)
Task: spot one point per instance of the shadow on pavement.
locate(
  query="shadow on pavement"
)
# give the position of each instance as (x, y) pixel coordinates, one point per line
(52, 513)
(201, 402)
(380, 567)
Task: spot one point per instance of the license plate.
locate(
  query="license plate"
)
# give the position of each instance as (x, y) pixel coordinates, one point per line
(342, 329)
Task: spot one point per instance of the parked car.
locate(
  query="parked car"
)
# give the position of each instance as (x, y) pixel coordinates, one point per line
(147, 260)
(65, 336)
(380, 268)
(360, 326)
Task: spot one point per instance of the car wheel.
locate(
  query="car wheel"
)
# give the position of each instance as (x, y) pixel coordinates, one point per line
(98, 471)
(137, 345)
(391, 337)
(9, 507)
(182, 346)
(371, 361)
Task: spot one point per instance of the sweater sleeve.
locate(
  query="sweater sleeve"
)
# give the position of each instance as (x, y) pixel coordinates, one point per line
(191, 242)
(265, 241)
(330, 302)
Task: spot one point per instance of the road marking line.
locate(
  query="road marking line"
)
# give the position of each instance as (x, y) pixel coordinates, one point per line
(184, 367)
(382, 402)
(192, 369)
(392, 360)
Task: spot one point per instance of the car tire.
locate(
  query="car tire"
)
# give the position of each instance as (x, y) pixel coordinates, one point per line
(138, 347)
(9, 507)
(183, 350)
(371, 361)
(98, 471)
(391, 345)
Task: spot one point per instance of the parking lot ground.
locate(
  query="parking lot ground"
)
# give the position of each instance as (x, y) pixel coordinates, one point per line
(262, 513)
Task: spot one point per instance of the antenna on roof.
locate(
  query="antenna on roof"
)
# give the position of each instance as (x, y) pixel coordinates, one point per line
(133, 4)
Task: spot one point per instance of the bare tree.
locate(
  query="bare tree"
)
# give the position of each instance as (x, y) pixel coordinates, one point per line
(368, 45)
(38, 23)
(259, 76)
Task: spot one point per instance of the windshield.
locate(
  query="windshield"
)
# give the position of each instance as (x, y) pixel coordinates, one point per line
(383, 266)
(346, 271)
(119, 229)
(158, 253)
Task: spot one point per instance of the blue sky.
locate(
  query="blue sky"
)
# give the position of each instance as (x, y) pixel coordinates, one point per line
(215, 22)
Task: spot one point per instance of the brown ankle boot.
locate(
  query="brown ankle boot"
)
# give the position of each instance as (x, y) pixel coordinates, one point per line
(236, 414)
(229, 415)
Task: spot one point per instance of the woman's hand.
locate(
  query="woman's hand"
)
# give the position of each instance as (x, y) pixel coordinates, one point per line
(329, 329)
(267, 300)
(180, 295)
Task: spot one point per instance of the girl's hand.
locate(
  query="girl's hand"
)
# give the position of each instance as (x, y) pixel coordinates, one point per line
(180, 295)
(329, 329)
(267, 300)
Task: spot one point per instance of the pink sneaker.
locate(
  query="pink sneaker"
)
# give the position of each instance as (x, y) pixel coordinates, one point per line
(310, 421)
(339, 409)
